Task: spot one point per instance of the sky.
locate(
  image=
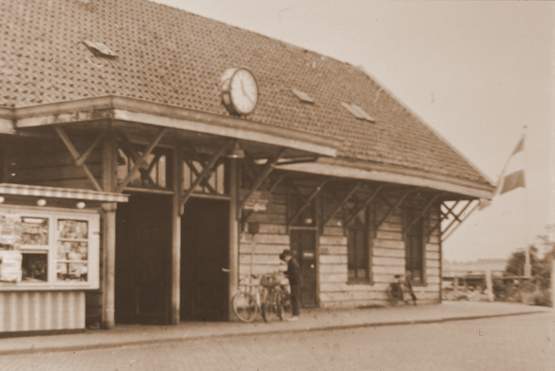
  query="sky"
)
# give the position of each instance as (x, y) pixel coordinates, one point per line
(476, 72)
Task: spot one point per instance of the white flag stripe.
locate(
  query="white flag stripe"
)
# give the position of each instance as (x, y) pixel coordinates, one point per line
(516, 163)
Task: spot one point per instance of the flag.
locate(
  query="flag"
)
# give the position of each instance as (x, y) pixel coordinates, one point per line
(512, 176)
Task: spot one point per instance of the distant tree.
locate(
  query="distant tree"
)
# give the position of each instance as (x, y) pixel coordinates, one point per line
(541, 266)
(515, 264)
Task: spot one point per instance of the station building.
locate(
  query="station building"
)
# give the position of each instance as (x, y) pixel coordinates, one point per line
(146, 150)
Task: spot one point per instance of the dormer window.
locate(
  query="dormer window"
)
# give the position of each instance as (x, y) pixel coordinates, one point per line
(303, 97)
(99, 49)
(358, 112)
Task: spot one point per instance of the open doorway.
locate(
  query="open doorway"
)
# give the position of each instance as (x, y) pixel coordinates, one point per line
(204, 252)
(143, 256)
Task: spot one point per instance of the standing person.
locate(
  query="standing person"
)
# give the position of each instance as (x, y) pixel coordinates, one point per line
(293, 274)
(408, 285)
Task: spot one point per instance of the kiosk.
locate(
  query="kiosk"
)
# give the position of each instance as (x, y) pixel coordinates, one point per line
(49, 255)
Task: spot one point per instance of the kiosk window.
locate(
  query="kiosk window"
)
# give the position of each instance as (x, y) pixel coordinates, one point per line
(73, 248)
(34, 231)
(34, 267)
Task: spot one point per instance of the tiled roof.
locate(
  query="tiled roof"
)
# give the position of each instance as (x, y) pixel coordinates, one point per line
(170, 56)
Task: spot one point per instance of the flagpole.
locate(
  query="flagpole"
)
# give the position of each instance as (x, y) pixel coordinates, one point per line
(527, 258)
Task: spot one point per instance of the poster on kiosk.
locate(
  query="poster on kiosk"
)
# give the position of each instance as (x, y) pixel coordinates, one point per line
(10, 258)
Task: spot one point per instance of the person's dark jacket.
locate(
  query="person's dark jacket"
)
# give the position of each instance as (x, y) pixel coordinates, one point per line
(293, 272)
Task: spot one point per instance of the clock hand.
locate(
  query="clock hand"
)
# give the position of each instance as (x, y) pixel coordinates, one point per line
(245, 92)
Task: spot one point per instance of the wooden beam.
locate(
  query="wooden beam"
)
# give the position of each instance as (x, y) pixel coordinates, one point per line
(131, 152)
(175, 297)
(75, 155)
(140, 162)
(438, 224)
(247, 214)
(85, 155)
(205, 182)
(205, 172)
(423, 212)
(450, 210)
(277, 182)
(365, 204)
(466, 216)
(108, 235)
(234, 232)
(308, 201)
(341, 203)
(392, 208)
(266, 170)
(460, 219)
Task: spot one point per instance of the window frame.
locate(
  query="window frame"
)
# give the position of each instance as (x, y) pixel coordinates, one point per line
(420, 238)
(368, 230)
(54, 215)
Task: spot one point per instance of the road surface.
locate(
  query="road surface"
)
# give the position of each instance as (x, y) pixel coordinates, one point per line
(504, 344)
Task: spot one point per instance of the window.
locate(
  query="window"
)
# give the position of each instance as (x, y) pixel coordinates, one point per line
(358, 112)
(48, 248)
(414, 246)
(33, 244)
(359, 236)
(302, 96)
(73, 248)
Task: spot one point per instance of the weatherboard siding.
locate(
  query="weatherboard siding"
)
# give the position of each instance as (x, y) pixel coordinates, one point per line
(259, 254)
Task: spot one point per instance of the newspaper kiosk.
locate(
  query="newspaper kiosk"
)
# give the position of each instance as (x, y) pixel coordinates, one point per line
(49, 255)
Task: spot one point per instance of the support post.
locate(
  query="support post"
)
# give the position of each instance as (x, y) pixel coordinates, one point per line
(234, 214)
(489, 285)
(176, 236)
(108, 235)
(109, 265)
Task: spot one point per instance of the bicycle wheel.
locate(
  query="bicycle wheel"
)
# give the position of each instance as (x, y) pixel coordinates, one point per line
(285, 301)
(279, 305)
(244, 306)
(265, 306)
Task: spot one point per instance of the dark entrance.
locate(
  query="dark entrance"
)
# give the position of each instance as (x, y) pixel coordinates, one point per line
(303, 245)
(143, 254)
(204, 252)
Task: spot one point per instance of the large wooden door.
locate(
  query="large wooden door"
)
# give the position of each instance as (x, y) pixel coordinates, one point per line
(143, 247)
(204, 252)
(303, 246)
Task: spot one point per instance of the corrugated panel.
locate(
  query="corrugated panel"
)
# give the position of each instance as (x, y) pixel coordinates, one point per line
(41, 310)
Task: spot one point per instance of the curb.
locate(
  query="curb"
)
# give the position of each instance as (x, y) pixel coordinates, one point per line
(177, 339)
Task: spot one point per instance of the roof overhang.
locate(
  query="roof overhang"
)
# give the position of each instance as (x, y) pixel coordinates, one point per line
(26, 190)
(364, 171)
(6, 121)
(148, 113)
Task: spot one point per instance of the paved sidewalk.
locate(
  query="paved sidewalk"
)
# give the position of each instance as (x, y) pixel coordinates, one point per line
(313, 320)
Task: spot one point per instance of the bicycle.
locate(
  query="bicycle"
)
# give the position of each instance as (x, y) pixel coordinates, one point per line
(262, 294)
(276, 296)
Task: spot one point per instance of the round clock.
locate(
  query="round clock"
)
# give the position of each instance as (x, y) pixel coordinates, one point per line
(239, 91)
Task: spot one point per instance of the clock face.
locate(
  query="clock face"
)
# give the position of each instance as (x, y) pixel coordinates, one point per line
(243, 91)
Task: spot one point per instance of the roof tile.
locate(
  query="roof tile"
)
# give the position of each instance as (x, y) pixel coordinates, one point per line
(170, 56)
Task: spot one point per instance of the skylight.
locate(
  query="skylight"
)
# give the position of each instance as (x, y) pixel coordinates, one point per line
(100, 49)
(303, 97)
(358, 112)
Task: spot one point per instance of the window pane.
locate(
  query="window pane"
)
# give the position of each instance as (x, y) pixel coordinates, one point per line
(34, 267)
(357, 247)
(72, 252)
(415, 247)
(34, 231)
